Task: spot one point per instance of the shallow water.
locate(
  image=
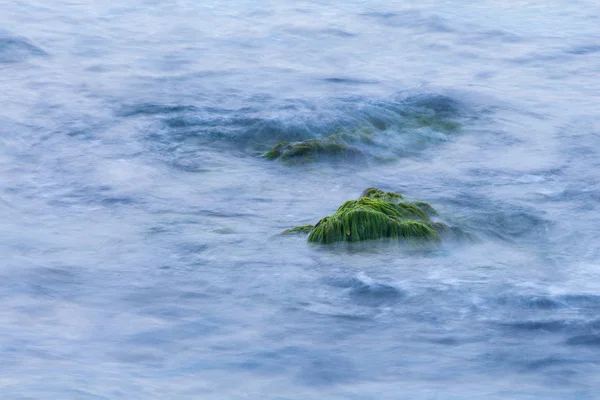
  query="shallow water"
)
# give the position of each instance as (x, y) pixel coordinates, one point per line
(139, 222)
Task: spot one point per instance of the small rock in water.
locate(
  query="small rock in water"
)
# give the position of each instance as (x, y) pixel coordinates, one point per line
(378, 214)
(311, 150)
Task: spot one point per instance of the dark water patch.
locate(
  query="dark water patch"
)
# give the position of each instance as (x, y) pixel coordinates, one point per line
(62, 282)
(367, 292)
(339, 33)
(350, 81)
(322, 34)
(504, 221)
(276, 361)
(445, 341)
(483, 176)
(327, 370)
(93, 195)
(531, 302)
(488, 37)
(223, 214)
(536, 326)
(537, 58)
(231, 132)
(411, 19)
(377, 247)
(558, 57)
(545, 363)
(44, 291)
(84, 134)
(194, 247)
(175, 303)
(309, 366)
(153, 109)
(346, 320)
(582, 301)
(131, 356)
(173, 334)
(592, 340)
(444, 337)
(60, 275)
(186, 122)
(118, 201)
(584, 49)
(351, 318)
(587, 197)
(14, 49)
(192, 163)
(502, 35)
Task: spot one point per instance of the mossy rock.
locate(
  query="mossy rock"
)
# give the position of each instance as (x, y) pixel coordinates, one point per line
(313, 149)
(388, 197)
(426, 207)
(376, 215)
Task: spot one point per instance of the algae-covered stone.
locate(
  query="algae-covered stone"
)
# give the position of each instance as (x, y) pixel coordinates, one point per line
(368, 219)
(426, 207)
(298, 230)
(312, 149)
(378, 214)
(388, 197)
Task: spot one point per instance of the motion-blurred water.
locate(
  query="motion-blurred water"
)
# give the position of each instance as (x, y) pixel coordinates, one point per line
(138, 222)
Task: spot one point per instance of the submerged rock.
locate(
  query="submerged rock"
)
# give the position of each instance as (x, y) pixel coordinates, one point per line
(433, 121)
(378, 214)
(374, 140)
(312, 149)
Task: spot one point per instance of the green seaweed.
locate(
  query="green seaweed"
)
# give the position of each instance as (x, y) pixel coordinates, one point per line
(436, 123)
(376, 215)
(312, 149)
(276, 151)
(426, 207)
(365, 224)
(298, 230)
(389, 197)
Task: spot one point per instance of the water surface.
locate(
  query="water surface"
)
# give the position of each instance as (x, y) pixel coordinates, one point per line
(138, 222)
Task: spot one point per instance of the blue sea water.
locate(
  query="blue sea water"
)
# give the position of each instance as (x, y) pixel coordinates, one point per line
(138, 222)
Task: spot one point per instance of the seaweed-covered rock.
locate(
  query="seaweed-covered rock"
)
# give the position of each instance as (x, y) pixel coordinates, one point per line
(388, 197)
(378, 214)
(426, 207)
(312, 149)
